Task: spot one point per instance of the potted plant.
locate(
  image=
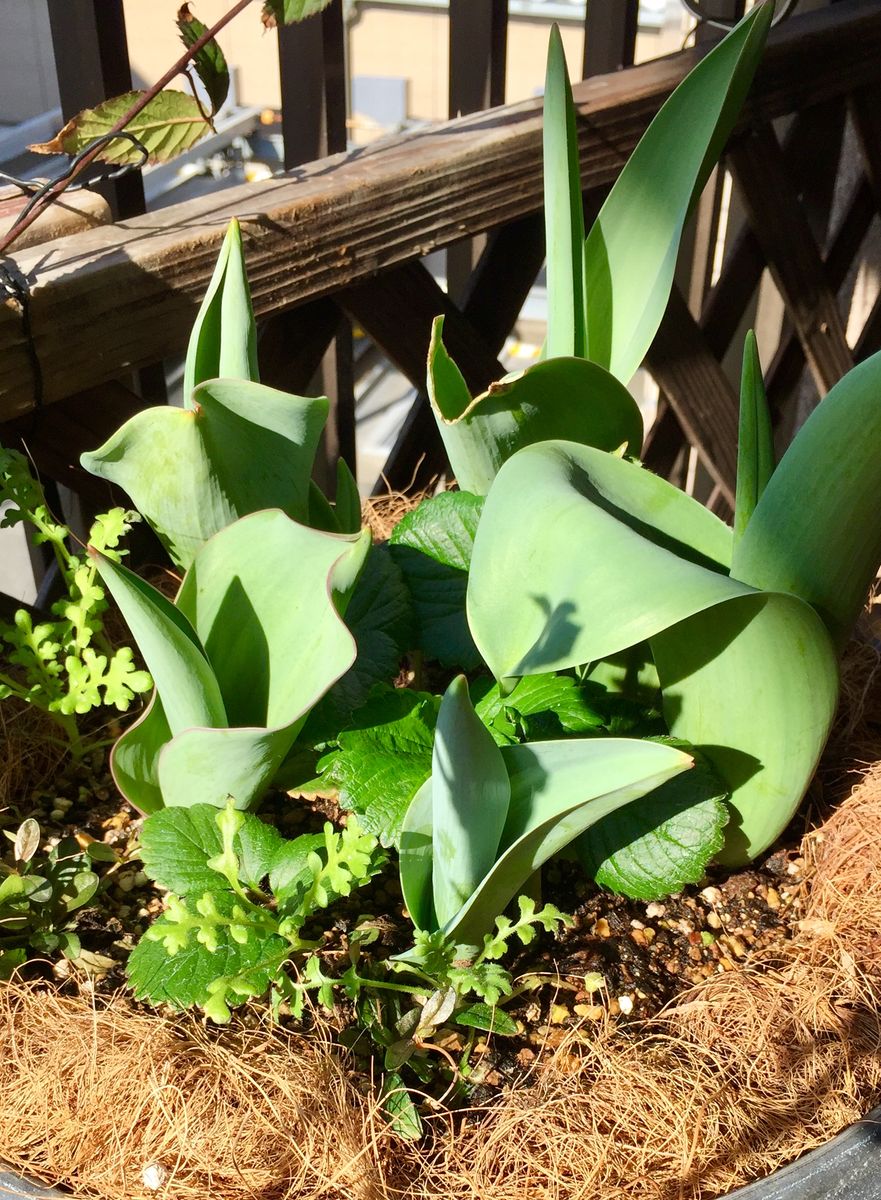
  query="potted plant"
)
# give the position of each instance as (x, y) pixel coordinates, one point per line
(281, 677)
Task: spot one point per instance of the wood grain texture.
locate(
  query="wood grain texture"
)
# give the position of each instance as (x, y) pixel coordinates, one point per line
(788, 244)
(117, 298)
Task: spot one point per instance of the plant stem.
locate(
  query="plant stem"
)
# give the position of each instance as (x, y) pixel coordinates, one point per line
(139, 105)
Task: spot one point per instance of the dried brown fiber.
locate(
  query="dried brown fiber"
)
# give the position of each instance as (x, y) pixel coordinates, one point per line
(746, 1072)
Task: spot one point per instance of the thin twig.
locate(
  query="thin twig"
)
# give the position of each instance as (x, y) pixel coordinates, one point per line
(138, 107)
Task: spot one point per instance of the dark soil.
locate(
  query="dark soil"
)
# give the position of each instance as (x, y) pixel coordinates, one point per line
(622, 958)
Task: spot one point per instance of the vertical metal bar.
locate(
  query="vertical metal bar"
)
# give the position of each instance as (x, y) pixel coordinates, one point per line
(478, 36)
(609, 36)
(312, 63)
(92, 62)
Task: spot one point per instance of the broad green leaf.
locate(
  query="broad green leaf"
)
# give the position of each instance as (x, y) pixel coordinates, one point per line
(432, 548)
(180, 668)
(177, 843)
(183, 979)
(550, 583)
(557, 398)
(209, 62)
(816, 532)
(488, 1017)
(134, 759)
(347, 504)
(558, 789)
(286, 12)
(555, 700)
(382, 761)
(223, 343)
(660, 843)
(470, 793)
(753, 685)
(564, 214)
(403, 1115)
(275, 643)
(169, 124)
(755, 441)
(290, 873)
(242, 447)
(380, 617)
(630, 252)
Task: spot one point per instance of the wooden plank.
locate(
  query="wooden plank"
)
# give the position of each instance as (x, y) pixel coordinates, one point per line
(106, 301)
(54, 441)
(500, 284)
(609, 36)
(789, 246)
(697, 390)
(292, 344)
(73, 213)
(397, 309)
(789, 359)
(864, 108)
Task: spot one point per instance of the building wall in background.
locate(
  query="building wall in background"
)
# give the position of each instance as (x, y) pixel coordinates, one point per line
(27, 66)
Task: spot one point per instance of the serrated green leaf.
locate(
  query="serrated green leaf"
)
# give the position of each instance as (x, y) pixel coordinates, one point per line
(384, 759)
(209, 61)
(184, 978)
(290, 873)
(659, 844)
(630, 253)
(380, 617)
(286, 12)
(403, 1115)
(169, 124)
(483, 1016)
(432, 548)
(177, 843)
(557, 398)
(567, 704)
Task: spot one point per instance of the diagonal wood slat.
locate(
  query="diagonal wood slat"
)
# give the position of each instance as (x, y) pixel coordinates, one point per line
(697, 390)
(497, 289)
(110, 300)
(789, 246)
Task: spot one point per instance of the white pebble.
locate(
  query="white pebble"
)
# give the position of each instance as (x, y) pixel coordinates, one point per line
(154, 1176)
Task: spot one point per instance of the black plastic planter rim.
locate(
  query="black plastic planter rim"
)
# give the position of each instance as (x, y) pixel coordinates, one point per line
(847, 1168)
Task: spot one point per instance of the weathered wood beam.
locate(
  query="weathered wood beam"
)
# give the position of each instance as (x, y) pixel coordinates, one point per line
(793, 257)
(109, 300)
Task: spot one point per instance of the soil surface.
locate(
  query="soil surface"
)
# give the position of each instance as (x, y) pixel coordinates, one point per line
(621, 958)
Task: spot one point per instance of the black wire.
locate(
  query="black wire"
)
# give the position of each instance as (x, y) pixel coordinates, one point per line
(38, 191)
(696, 7)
